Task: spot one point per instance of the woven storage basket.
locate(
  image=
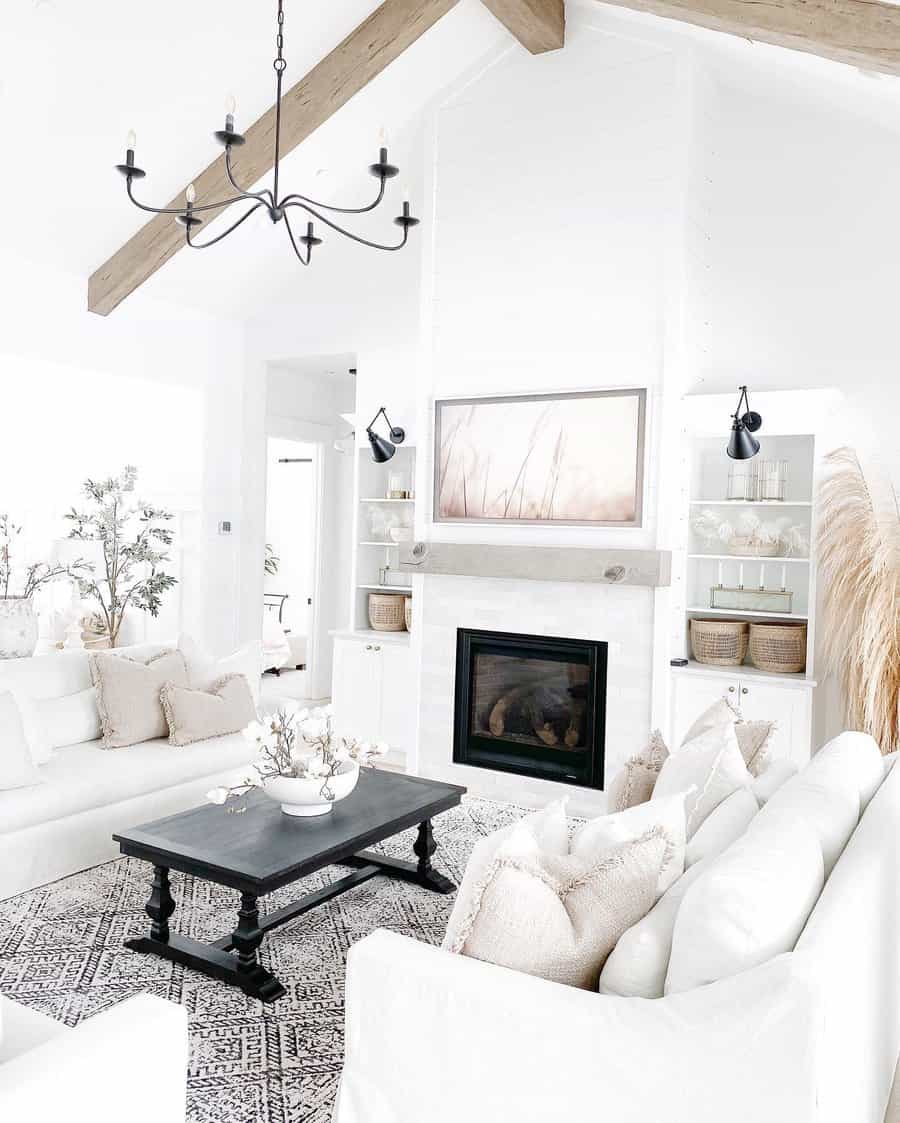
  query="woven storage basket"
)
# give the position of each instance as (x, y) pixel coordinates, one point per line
(386, 612)
(407, 613)
(778, 647)
(720, 643)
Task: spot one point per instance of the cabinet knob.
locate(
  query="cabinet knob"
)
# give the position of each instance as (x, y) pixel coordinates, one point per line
(368, 647)
(745, 690)
(731, 690)
(377, 646)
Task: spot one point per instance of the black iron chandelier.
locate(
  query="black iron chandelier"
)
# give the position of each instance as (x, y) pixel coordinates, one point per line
(275, 204)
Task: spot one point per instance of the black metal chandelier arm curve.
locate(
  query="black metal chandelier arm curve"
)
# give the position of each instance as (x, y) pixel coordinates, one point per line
(178, 210)
(288, 199)
(347, 233)
(265, 195)
(224, 234)
(303, 260)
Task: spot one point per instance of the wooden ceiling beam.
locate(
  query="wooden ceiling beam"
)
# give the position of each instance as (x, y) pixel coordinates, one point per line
(539, 25)
(362, 56)
(862, 33)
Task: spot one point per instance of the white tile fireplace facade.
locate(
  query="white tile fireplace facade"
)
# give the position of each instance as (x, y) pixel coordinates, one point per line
(622, 616)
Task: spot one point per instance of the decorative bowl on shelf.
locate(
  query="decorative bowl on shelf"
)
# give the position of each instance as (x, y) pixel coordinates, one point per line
(303, 797)
(400, 534)
(752, 547)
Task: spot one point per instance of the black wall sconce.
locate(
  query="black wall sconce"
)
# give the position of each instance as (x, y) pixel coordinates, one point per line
(382, 449)
(742, 445)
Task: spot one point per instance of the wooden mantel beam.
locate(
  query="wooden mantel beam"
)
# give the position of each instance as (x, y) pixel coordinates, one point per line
(862, 33)
(363, 55)
(539, 25)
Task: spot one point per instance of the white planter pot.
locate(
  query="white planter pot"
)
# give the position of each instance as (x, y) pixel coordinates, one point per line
(303, 798)
(18, 628)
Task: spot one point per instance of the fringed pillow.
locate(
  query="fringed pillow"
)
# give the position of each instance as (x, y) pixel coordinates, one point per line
(635, 782)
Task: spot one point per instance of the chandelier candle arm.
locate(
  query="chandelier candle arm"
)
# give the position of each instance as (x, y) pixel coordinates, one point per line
(269, 198)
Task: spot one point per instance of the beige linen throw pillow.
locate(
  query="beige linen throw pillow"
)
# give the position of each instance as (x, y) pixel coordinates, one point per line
(128, 695)
(198, 715)
(559, 917)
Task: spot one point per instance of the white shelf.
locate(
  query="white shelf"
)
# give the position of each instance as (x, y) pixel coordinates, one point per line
(380, 543)
(379, 499)
(744, 612)
(749, 558)
(751, 502)
(401, 589)
(369, 634)
(744, 670)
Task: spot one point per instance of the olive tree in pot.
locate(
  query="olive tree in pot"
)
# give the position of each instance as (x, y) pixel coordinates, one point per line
(18, 584)
(134, 539)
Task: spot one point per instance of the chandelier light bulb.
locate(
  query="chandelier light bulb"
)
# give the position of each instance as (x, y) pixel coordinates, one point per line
(131, 139)
(190, 194)
(230, 105)
(382, 137)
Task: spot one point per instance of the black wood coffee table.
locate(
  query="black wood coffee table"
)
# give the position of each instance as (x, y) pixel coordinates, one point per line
(262, 850)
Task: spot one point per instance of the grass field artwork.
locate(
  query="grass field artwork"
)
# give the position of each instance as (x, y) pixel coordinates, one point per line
(541, 459)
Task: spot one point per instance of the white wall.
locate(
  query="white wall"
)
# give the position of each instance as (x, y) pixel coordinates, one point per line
(151, 385)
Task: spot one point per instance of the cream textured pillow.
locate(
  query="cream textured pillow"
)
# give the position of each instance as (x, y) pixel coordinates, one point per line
(198, 715)
(625, 826)
(753, 741)
(550, 830)
(712, 765)
(560, 917)
(204, 670)
(634, 784)
(128, 695)
(17, 770)
(721, 712)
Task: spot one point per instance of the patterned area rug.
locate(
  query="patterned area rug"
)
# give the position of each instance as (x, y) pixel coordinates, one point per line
(61, 953)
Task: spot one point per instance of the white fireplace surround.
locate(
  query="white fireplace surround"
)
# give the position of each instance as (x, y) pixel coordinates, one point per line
(620, 615)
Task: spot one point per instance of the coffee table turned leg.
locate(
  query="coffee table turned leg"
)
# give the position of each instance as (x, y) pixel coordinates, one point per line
(424, 848)
(159, 907)
(252, 977)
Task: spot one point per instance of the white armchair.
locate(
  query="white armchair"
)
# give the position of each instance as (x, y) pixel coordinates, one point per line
(128, 1062)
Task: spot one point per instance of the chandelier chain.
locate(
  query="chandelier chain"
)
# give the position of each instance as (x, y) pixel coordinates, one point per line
(279, 62)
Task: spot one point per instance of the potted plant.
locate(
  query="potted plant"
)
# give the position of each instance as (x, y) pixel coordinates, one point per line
(133, 540)
(18, 620)
(302, 763)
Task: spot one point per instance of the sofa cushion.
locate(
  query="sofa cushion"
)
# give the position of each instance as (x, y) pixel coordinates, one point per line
(850, 761)
(634, 782)
(204, 670)
(560, 917)
(128, 695)
(722, 827)
(667, 813)
(771, 779)
(198, 715)
(550, 830)
(82, 777)
(749, 905)
(753, 741)
(17, 770)
(831, 812)
(637, 965)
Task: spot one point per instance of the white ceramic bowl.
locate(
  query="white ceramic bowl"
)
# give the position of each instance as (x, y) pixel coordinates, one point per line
(303, 797)
(400, 533)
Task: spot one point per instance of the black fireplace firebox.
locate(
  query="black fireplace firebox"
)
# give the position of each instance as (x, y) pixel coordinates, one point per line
(534, 705)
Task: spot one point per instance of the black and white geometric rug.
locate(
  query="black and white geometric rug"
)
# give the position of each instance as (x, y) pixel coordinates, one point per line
(61, 953)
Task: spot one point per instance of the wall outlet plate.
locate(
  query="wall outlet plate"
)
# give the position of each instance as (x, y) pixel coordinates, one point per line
(225, 526)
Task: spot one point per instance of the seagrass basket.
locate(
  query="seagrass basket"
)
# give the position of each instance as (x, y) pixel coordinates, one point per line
(407, 613)
(720, 643)
(778, 647)
(386, 612)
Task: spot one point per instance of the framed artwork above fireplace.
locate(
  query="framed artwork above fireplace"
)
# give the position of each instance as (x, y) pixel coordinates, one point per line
(541, 459)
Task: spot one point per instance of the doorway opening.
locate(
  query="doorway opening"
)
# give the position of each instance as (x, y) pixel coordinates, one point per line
(292, 541)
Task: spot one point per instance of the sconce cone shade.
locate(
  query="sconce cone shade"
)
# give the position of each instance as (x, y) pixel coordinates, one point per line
(382, 450)
(742, 445)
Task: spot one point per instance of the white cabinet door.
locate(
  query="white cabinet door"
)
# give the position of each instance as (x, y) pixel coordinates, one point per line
(398, 697)
(692, 695)
(790, 707)
(356, 689)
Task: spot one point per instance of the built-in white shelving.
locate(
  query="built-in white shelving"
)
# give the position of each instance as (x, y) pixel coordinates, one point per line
(699, 610)
(748, 558)
(750, 503)
(400, 589)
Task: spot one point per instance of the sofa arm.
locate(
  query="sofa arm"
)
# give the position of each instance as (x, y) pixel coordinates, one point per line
(126, 1063)
(442, 1037)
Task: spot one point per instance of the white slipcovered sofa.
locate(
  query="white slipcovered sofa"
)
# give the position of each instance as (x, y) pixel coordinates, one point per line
(125, 1063)
(65, 824)
(809, 1036)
